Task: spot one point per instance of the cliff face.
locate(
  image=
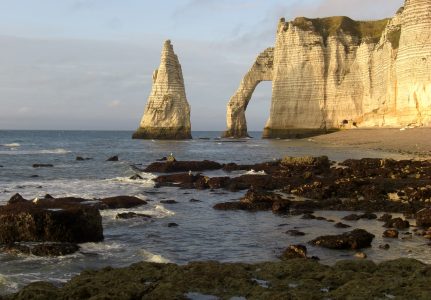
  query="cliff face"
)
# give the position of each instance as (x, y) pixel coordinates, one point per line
(335, 72)
(167, 113)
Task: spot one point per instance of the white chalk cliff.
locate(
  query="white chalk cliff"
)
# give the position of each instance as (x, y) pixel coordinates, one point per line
(334, 72)
(167, 113)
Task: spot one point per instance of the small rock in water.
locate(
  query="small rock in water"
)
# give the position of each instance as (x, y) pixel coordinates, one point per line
(195, 200)
(308, 217)
(168, 202)
(390, 233)
(385, 218)
(113, 158)
(80, 158)
(423, 217)
(173, 225)
(136, 177)
(352, 217)
(342, 225)
(43, 165)
(131, 215)
(294, 232)
(397, 223)
(356, 239)
(34, 176)
(384, 247)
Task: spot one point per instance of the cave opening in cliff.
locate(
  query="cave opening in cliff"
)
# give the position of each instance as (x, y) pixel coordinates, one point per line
(257, 112)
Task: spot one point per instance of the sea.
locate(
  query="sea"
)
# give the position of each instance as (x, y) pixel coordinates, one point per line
(202, 232)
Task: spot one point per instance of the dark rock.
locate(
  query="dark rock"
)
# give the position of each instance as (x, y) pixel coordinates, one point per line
(122, 202)
(164, 158)
(308, 217)
(280, 207)
(168, 202)
(397, 223)
(48, 196)
(369, 216)
(17, 198)
(385, 218)
(131, 215)
(355, 239)
(384, 247)
(136, 177)
(80, 158)
(195, 200)
(342, 225)
(34, 176)
(182, 166)
(48, 221)
(173, 225)
(423, 218)
(113, 158)
(352, 217)
(390, 233)
(294, 232)
(294, 251)
(43, 165)
(45, 249)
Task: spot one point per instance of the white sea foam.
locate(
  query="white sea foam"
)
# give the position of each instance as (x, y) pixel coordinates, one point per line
(253, 172)
(151, 257)
(12, 145)
(34, 152)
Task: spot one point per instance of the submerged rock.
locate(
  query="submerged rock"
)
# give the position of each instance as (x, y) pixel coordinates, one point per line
(390, 233)
(355, 239)
(121, 202)
(397, 223)
(132, 215)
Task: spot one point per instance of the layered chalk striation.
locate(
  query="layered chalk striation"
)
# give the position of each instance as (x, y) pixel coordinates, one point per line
(167, 113)
(334, 73)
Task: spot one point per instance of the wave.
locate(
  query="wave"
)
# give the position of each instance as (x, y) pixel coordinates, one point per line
(151, 257)
(33, 152)
(11, 145)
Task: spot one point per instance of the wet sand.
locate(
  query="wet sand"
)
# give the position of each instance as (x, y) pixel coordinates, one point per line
(414, 141)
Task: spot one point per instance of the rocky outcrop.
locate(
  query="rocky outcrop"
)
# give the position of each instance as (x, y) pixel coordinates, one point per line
(261, 70)
(334, 73)
(167, 113)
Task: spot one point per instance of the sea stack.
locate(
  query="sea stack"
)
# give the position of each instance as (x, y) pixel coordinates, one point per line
(337, 73)
(167, 113)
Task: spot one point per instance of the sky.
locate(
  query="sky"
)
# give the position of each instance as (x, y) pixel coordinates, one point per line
(87, 64)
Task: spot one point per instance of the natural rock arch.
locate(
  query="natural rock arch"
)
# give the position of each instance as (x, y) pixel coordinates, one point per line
(262, 70)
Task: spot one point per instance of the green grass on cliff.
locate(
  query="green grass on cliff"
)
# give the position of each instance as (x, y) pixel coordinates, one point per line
(326, 27)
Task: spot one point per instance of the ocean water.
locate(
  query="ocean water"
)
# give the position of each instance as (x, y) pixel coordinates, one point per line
(203, 233)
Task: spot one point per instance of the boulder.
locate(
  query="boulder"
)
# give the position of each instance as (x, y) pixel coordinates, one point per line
(31, 222)
(356, 239)
(17, 198)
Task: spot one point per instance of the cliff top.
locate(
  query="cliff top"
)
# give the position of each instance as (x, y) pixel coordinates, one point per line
(364, 30)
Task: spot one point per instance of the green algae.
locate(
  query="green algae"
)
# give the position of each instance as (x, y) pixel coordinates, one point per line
(292, 279)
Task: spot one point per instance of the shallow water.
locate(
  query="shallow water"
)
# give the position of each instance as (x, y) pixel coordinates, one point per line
(202, 234)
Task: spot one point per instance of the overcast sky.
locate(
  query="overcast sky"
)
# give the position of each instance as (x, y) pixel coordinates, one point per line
(87, 64)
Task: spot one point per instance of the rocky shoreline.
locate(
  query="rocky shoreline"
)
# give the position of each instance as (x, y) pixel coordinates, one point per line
(289, 186)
